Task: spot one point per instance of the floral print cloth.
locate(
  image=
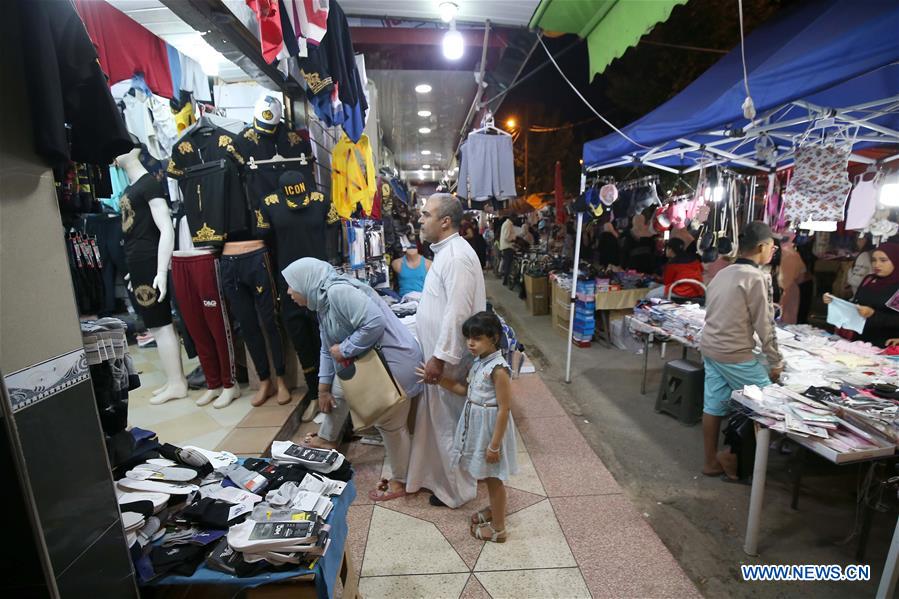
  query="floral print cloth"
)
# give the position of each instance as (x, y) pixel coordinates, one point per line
(820, 185)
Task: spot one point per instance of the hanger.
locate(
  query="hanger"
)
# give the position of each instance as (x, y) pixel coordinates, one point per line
(276, 159)
(489, 127)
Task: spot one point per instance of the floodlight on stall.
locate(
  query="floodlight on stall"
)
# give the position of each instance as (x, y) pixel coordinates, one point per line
(889, 194)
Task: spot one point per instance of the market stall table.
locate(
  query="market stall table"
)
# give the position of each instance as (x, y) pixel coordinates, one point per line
(760, 468)
(652, 333)
(609, 301)
(319, 582)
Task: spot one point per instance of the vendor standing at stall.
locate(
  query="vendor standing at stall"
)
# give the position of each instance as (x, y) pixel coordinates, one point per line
(881, 321)
(739, 305)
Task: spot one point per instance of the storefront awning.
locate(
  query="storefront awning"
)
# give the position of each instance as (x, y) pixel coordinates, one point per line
(609, 26)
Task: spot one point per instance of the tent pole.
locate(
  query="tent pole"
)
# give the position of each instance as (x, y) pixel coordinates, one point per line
(574, 275)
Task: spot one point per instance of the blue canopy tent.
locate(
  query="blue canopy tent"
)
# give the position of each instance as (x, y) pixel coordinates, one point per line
(829, 67)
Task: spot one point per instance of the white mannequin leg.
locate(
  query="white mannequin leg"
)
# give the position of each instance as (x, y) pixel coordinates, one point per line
(208, 396)
(228, 395)
(170, 357)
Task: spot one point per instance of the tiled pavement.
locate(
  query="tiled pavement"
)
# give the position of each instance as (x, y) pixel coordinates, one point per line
(572, 531)
(238, 428)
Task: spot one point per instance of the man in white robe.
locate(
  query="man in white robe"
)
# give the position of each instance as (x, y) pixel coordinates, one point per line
(453, 292)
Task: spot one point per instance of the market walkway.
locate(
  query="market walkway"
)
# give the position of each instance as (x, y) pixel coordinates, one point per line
(573, 533)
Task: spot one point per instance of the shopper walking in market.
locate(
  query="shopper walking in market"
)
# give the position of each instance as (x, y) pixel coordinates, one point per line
(454, 291)
(352, 320)
(875, 291)
(508, 233)
(484, 443)
(739, 305)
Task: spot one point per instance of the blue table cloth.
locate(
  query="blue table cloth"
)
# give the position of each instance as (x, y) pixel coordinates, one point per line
(325, 570)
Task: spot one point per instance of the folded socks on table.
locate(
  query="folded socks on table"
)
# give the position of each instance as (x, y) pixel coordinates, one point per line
(215, 513)
(180, 559)
(245, 479)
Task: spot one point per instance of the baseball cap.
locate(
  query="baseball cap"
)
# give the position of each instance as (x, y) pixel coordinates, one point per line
(754, 234)
(292, 189)
(268, 110)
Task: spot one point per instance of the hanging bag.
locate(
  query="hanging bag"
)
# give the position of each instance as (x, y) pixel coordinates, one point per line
(369, 387)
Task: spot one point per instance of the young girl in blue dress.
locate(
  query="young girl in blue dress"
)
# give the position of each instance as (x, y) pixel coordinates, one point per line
(484, 443)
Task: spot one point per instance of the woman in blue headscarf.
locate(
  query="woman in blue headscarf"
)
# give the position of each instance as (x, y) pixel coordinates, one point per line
(353, 319)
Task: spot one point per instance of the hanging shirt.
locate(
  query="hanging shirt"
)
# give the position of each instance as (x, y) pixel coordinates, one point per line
(175, 69)
(124, 46)
(194, 80)
(66, 85)
(214, 198)
(488, 167)
(259, 144)
(352, 176)
(269, 17)
(301, 226)
(139, 230)
(140, 124)
(309, 19)
(119, 181)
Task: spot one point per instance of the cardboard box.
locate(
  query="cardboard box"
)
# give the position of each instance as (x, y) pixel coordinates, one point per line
(537, 295)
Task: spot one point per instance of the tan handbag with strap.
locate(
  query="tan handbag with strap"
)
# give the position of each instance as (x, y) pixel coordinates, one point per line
(370, 388)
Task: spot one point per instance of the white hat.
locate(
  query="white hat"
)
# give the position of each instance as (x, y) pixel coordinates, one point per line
(268, 110)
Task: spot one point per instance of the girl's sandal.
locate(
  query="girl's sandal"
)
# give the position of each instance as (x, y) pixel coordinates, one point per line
(494, 536)
(482, 517)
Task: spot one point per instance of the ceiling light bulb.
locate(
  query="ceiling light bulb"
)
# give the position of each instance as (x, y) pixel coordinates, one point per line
(447, 11)
(426, 152)
(889, 194)
(424, 130)
(424, 113)
(426, 166)
(423, 88)
(453, 44)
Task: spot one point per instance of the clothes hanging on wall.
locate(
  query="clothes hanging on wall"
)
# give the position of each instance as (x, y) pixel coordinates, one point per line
(85, 267)
(352, 176)
(125, 47)
(66, 87)
(107, 230)
(488, 167)
(862, 202)
(194, 80)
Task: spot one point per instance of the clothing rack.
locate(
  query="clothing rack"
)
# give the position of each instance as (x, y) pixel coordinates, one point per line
(640, 182)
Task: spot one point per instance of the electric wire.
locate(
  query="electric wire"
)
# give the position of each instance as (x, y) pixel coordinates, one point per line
(584, 100)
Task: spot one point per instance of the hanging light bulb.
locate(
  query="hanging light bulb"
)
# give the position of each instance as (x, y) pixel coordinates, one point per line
(718, 193)
(889, 194)
(447, 11)
(453, 44)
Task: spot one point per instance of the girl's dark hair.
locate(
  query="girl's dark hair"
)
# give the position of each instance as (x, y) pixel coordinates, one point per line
(485, 324)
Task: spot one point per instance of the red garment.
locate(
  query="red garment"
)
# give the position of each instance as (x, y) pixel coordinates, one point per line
(124, 47)
(268, 14)
(202, 306)
(684, 270)
(561, 216)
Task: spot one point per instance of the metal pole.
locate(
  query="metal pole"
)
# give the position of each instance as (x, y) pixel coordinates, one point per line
(480, 91)
(574, 273)
(757, 495)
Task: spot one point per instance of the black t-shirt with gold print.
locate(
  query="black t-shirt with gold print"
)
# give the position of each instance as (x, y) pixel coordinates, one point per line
(139, 231)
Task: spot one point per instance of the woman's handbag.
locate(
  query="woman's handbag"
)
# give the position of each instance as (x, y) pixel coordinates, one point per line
(369, 387)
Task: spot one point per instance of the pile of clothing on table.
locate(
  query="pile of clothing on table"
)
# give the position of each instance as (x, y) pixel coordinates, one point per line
(685, 321)
(186, 506)
(873, 409)
(616, 280)
(804, 415)
(815, 358)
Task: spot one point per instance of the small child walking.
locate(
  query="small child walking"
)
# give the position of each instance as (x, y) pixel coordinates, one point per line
(484, 443)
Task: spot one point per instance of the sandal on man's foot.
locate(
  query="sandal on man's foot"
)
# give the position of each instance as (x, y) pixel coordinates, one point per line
(486, 532)
(482, 517)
